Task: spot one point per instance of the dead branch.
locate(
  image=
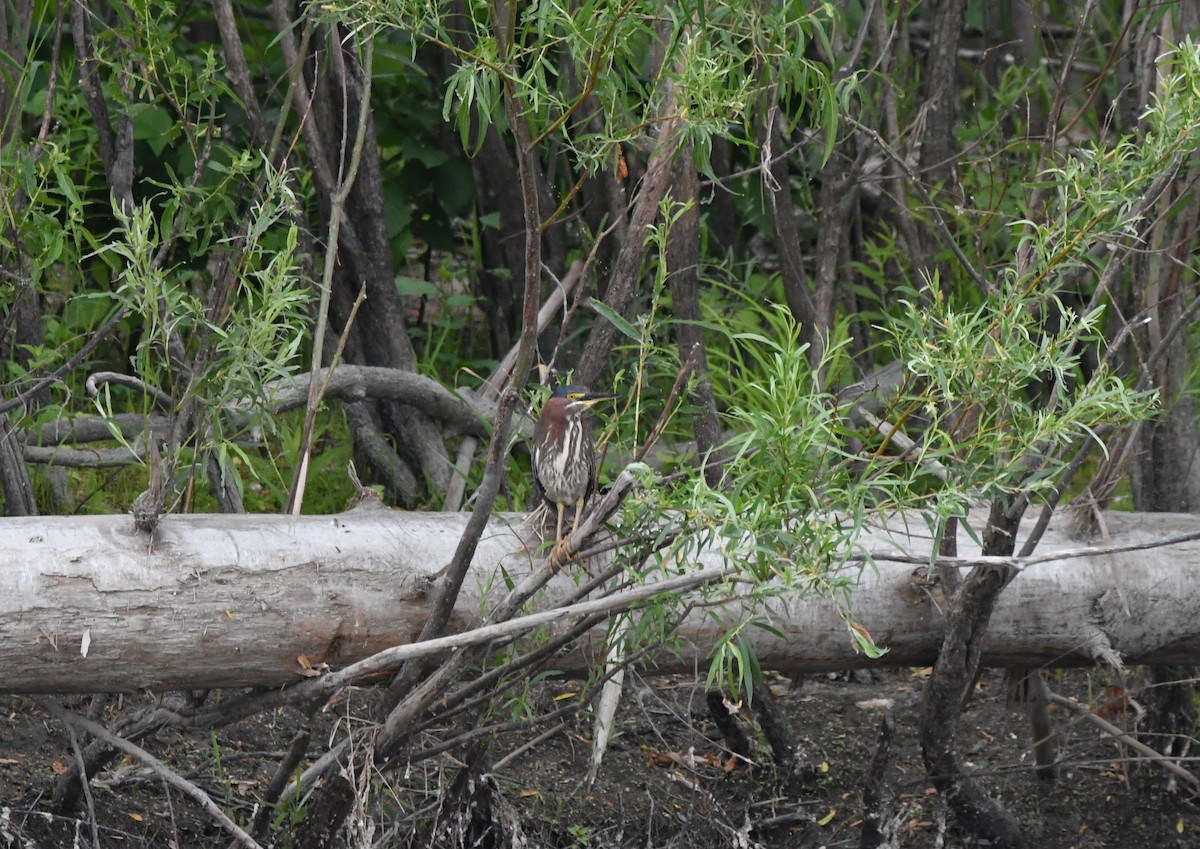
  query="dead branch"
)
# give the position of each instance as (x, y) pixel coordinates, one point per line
(170, 776)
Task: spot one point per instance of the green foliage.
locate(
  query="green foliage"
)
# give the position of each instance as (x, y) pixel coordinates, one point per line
(232, 352)
(549, 53)
(991, 392)
(977, 376)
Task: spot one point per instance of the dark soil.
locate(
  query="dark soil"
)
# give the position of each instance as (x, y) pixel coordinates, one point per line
(666, 779)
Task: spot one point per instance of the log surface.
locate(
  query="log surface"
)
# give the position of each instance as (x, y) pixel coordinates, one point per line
(88, 605)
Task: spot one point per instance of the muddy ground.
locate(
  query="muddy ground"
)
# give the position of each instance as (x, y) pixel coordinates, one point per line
(666, 780)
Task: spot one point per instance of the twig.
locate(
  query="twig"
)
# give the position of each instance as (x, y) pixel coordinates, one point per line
(296, 497)
(892, 433)
(1023, 562)
(179, 782)
(171, 811)
(389, 658)
(96, 379)
(1126, 738)
(337, 206)
(87, 786)
(665, 416)
(491, 684)
(297, 749)
(532, 744)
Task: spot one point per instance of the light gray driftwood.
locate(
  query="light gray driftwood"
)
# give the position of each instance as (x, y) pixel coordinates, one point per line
(88, 605)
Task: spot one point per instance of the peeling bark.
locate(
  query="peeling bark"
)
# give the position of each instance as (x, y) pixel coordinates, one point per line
(227, 601)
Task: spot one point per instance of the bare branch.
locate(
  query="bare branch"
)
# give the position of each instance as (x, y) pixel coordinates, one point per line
(170, 776)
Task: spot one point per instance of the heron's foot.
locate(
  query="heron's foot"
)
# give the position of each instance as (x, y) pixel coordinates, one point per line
(559, 556)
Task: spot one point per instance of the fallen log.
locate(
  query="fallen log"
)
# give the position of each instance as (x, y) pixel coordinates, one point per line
(90, 605)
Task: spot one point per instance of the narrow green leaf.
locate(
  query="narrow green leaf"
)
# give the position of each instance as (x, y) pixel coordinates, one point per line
(617, 320)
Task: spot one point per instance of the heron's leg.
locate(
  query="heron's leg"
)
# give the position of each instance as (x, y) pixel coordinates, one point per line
(556, 552)
(578, 514)
(560, 549)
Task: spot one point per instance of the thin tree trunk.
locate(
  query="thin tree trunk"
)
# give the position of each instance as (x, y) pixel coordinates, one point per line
(947, 690)
(782, 210)
(683, 259)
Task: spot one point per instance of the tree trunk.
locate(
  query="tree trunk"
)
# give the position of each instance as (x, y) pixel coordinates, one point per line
(940, 91)
(1165, 470)
(683, 261)
(948, 688)
(252, 600)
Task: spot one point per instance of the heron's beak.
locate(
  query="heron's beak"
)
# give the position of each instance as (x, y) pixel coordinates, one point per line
(592, 398)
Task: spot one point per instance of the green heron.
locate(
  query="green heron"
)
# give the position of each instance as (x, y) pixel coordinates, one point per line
(564, 453)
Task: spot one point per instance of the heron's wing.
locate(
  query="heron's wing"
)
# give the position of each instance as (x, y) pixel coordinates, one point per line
(538, 494)
(591, 485)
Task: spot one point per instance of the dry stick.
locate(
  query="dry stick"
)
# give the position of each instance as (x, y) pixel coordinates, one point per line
(1022, 562)
(295, 83)
(908, 447)
(418, 697)
(532, 744)
(571, 308)
(296, 751)
(337, 205)
(341, 345)
(476, 732)
(616, 603)
(52, 82)
(141, 723)
(672, 397)
(388, 658)
(1128, 739)
(171, 811)
(100, 732)
(480, 690)
(129, 381)
(86, 784)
